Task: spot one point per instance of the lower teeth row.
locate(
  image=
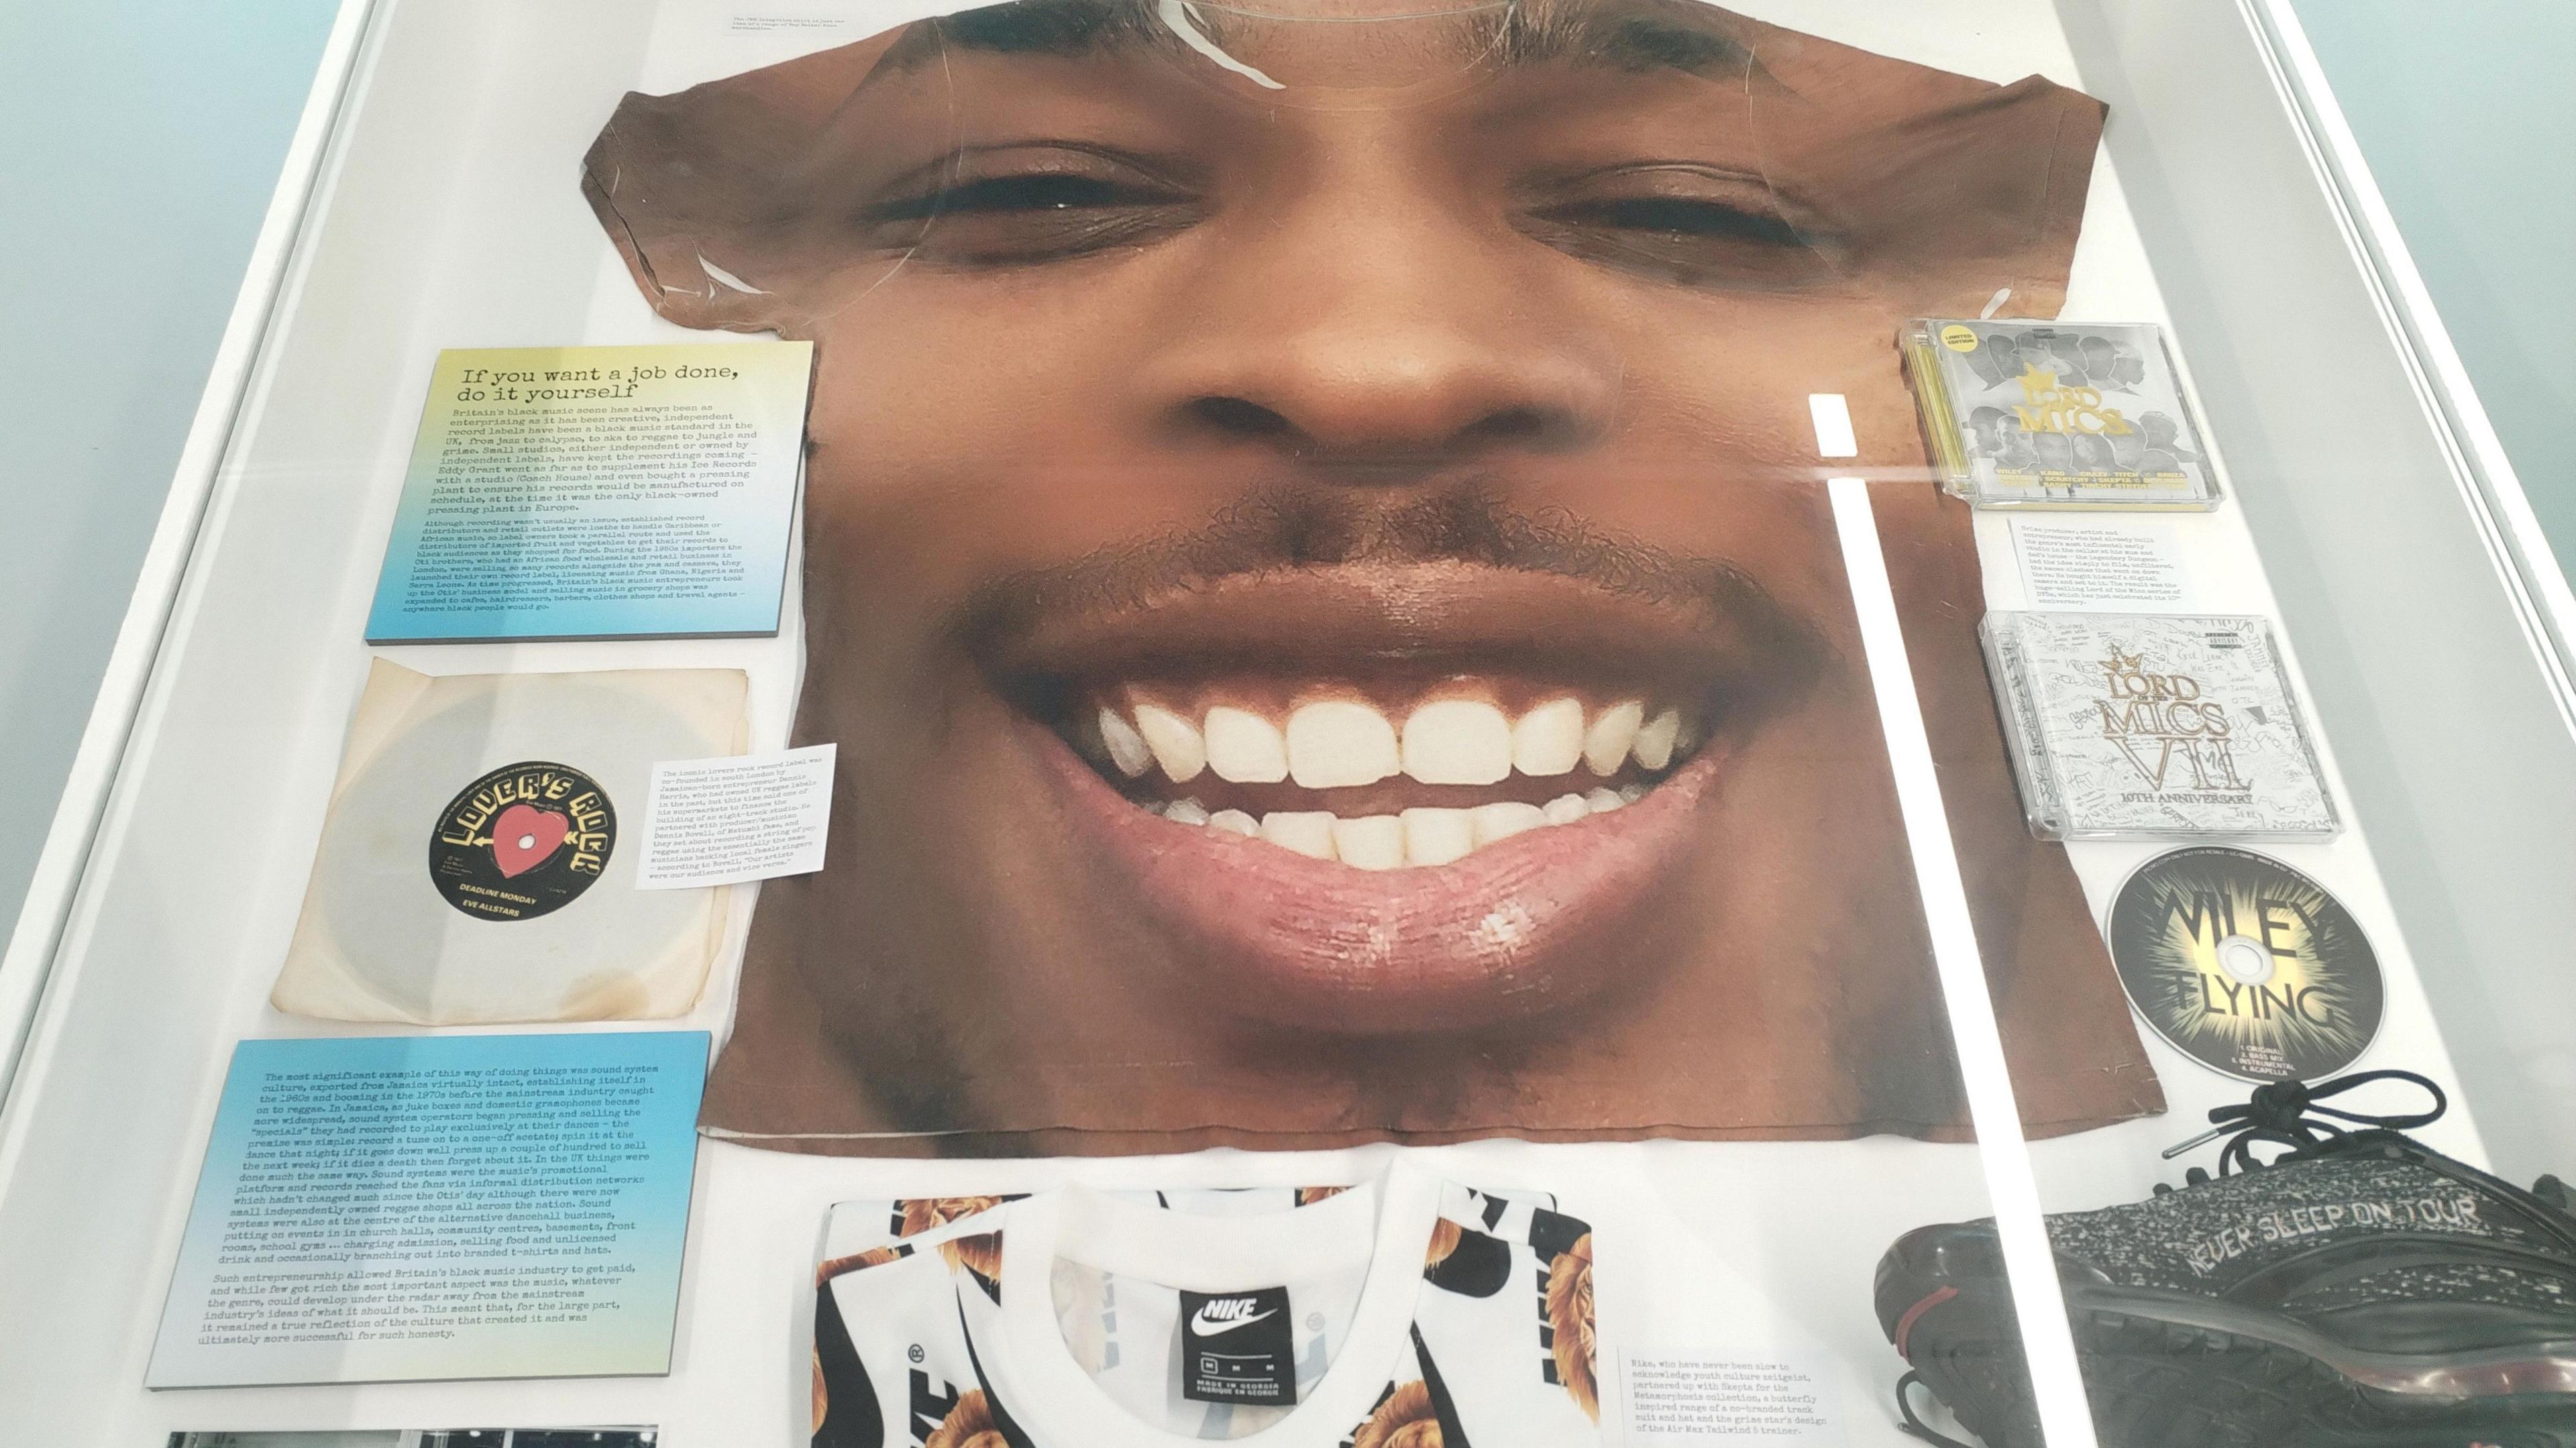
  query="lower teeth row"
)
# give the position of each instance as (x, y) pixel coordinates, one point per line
(1414, 837)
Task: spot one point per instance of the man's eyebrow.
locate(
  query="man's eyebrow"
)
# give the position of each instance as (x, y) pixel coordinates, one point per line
(1530, 33)
(1622, 38)
(1032, 27)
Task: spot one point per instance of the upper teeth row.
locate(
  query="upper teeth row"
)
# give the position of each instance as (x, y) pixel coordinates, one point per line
(1337, 743)
(1413, 837)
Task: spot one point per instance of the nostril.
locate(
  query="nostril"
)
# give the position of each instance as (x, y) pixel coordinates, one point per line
(1241, 418)
(1512, 424)
(1529, 427)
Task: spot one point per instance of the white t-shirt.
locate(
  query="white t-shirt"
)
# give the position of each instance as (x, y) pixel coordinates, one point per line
(1407, 1312)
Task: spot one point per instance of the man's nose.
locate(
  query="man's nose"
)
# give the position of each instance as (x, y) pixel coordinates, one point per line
(1394, 336)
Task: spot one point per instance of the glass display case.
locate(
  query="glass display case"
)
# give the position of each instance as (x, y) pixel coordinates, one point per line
(1498, 722)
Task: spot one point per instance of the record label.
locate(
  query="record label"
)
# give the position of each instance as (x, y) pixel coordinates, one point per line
(2246, 965)
(522, 841)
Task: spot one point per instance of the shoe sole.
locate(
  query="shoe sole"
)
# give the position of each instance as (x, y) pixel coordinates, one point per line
(2158, 1381)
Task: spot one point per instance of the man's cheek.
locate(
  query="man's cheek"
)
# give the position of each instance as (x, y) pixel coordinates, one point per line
(928, 488)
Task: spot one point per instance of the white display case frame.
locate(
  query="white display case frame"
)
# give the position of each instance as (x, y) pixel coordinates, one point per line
(2427, 622)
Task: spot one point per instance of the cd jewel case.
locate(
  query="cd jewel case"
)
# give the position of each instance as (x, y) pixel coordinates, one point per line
(2040, 415)
(2135, 725)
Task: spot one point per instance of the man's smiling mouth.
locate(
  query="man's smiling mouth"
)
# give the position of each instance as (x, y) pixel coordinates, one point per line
(1426, 767)
(1381, 777)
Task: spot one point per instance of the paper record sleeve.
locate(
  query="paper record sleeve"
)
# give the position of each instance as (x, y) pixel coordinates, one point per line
(476, 865)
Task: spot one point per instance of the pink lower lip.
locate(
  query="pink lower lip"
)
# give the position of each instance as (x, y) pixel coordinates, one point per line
(1533, 924)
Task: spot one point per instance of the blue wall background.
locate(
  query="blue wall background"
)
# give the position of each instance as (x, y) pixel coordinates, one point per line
(139, 142)
(2466, 112)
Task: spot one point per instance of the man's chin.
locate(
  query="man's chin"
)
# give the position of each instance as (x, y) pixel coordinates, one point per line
(1532, 925)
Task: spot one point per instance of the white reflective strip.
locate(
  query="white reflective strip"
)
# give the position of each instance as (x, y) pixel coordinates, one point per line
(2064, 1417)
(1833, 425)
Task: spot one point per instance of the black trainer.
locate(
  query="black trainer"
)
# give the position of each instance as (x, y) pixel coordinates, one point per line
(2360, 1291)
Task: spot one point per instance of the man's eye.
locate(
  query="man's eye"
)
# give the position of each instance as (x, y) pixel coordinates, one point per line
(1043, 191)
(1682, 224)
(1678, 216)
(1046, 212)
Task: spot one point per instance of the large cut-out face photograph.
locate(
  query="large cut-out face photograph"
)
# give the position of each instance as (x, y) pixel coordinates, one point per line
(1317, 562)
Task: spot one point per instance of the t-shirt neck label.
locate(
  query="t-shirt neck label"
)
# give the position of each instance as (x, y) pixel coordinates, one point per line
(1238, 1347)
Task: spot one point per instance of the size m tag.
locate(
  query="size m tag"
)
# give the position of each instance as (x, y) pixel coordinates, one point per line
(1238, 1347)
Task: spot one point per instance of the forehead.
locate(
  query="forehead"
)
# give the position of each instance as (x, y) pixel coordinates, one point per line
(1913, 166)
(1293, 52)
(1350, 41)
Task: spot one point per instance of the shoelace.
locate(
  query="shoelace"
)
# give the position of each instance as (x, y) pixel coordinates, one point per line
(2286, 1113)
(1913, 1425)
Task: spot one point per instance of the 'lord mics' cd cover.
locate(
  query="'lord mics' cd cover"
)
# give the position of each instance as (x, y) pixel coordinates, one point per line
(2070, 415)
(1284, 697)
(2136, 724)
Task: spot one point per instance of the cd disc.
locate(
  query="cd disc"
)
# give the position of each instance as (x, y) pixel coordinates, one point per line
(2245, 965)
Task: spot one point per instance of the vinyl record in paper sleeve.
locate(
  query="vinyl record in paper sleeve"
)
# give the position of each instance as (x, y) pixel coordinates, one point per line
(470, 869)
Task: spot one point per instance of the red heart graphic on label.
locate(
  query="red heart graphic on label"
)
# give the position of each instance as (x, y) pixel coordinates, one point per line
(524, 836)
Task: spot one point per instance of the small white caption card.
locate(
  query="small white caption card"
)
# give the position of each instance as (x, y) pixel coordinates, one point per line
(738, 818)
(1750, 1399)
(2099, 565)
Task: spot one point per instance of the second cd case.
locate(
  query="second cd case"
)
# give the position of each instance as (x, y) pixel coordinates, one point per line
(2056, 415)
(2150, 725)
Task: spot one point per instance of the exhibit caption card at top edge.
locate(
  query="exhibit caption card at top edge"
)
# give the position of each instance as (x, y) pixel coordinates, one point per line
(598, 492)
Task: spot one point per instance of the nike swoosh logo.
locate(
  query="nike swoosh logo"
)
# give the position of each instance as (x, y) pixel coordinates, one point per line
(1200, 1324)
